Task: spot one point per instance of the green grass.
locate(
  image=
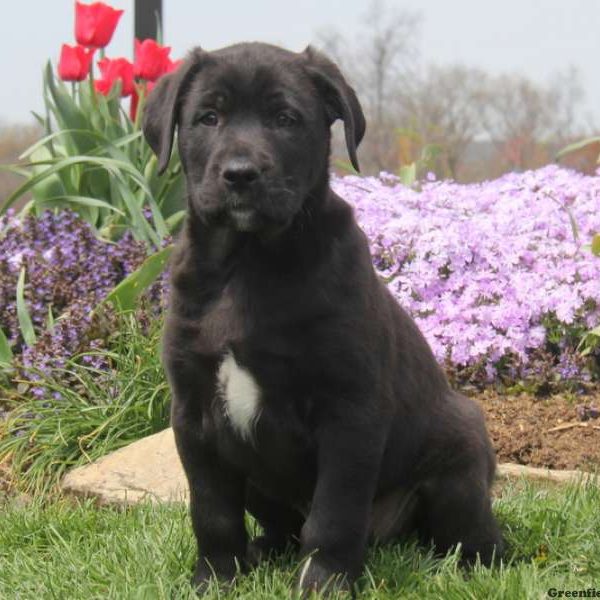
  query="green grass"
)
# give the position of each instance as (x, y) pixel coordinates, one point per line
(64, 549)
(97, 412)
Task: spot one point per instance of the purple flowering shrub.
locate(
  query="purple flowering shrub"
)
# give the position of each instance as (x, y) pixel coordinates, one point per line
(499, 275)
(68, 271)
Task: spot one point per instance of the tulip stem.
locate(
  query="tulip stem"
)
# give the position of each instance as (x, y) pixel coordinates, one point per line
(140, 106)
(92, 87)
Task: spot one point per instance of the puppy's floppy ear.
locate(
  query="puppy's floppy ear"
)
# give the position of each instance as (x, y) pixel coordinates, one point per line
(161, 111)
(340, 99)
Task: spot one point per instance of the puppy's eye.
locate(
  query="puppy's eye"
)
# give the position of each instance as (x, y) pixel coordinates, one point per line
(210, 119)
(285, 119)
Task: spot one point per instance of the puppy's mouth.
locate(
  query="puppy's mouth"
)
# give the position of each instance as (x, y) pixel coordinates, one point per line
(266, 210)
(244, 217)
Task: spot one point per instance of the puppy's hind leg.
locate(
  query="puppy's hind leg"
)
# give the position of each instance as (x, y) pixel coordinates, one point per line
(457, 509)
(281, 525)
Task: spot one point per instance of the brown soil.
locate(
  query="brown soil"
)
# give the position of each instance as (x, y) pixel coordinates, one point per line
(543, 432)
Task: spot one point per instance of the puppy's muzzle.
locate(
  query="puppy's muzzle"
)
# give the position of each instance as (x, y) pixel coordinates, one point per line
(240, 174)
(242, 178)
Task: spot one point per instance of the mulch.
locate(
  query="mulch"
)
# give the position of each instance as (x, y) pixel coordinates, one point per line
(557, 432)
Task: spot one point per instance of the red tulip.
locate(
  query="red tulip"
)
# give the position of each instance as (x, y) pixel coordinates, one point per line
(151, 59)
(113, 70)
(74, 63)
(95, 23)
(173, 65)
(103, 86)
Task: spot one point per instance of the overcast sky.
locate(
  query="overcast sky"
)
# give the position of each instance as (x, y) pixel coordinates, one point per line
(534, 37)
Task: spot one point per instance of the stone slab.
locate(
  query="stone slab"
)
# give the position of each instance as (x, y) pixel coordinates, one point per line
(149, 469)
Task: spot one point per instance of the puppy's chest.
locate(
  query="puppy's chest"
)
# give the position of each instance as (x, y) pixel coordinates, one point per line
(222, 324)
(241, 397)
(238, 391)
(259, 361)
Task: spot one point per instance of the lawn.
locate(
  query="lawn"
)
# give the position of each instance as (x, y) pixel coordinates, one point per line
(64, 548)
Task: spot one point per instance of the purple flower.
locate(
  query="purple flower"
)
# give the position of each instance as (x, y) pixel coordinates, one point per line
(68, 271)
(491, 271)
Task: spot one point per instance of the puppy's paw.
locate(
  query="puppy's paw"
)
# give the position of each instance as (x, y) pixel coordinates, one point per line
(266, 546)
(219, 572)
(263, 548)
(317, 577)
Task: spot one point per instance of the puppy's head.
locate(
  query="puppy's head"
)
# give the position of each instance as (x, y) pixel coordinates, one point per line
(253, 130)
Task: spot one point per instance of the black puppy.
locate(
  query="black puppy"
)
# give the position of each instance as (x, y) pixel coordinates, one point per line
(301, 391)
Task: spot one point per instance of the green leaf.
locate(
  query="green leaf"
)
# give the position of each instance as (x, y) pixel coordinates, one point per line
(139, 222)
(595, 331)
(174, 221)
(46, 139)
(95, 183)
(98, 138)
(126, 139)
(408, 174)
(578, 146)
(430, 152)
(16, 170)
(48, 186)
(115, 167)
(6, 354)
(84, 201)
(39, 119)
(25, 323)
(68, 115)
(150, 169)
(596, 244)
(345, 165)
(159, 223)
(124, 295)
(50, 320)
(171, 194)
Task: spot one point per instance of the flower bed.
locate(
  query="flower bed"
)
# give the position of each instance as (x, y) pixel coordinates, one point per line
(497, 275)
(68, 272)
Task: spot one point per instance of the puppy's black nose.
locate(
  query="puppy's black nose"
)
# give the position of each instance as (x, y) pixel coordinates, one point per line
(240, 173)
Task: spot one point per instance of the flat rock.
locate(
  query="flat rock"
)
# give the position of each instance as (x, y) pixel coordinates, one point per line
(149, 469)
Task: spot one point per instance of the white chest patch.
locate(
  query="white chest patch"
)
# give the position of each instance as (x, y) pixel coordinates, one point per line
(240, 394)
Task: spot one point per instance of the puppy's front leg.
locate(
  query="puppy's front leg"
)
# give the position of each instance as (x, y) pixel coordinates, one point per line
(334, 537)
(216, 507)
(217, 490)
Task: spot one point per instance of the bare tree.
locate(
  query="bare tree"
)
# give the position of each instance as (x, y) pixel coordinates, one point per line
(376, 66)
(483, 124)
(441, 108)
(336, 47)
(527, 121)
(386, 55)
